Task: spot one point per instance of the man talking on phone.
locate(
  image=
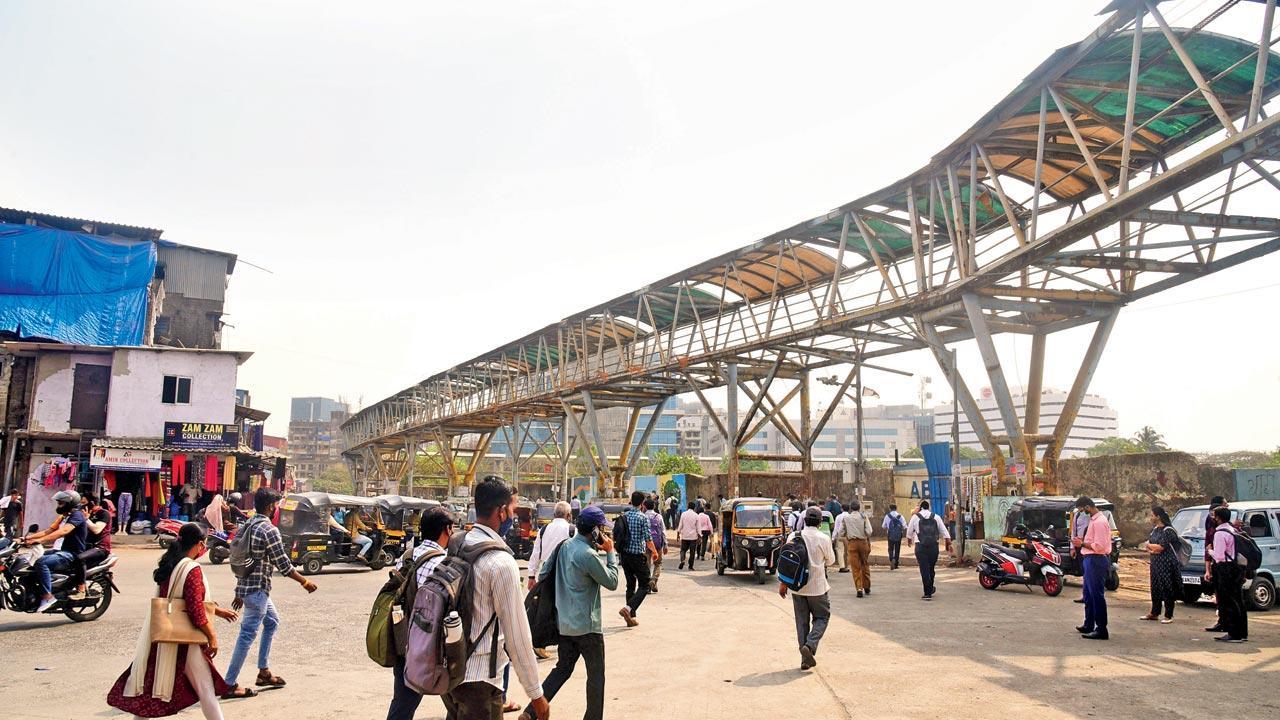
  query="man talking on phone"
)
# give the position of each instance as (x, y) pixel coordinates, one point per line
(585, 563)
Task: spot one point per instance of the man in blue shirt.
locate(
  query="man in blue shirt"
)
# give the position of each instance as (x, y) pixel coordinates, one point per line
(583, 564)
(638, 550)
(70, 526)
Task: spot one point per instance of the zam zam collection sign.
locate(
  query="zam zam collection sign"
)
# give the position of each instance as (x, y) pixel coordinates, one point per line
(201, 436)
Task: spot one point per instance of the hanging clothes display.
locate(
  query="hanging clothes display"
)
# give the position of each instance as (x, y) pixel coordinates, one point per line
(211, 478)
(229, 474)
(178, 470)
(109, 479)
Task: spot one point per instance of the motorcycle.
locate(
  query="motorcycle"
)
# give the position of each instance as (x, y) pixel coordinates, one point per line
(20, 585)
(219, 542)
(167, 531)
(1040, 565)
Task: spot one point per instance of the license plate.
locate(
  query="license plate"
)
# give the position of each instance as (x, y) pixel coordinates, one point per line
(1191, 580)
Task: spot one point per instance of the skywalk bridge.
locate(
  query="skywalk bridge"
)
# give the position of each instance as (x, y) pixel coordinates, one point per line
(1127, 164)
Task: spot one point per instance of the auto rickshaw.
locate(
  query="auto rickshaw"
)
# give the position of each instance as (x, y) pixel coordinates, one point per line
(400, 516)
(543, 513)
(312, 543)
(1055, 515)
(751, 536)
(522, 533)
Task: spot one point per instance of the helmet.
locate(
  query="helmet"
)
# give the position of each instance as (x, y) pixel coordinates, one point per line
(66, 500)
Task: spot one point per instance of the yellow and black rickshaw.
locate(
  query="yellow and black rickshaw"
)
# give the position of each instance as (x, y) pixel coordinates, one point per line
(1054, 515)
(400, 517)
(543, 513)
(751, 535)
(313, 543)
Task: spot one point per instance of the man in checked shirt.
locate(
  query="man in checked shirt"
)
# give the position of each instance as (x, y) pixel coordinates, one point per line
(253, 593)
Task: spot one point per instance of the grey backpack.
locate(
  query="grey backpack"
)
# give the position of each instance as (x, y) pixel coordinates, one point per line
(240, 561)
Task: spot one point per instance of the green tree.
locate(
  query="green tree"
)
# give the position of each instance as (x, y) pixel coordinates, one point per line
(913, 452)
(745, 464)
(968, 453)
(1148, 440)
(665, 463)
(334, 479)
(1114, 446)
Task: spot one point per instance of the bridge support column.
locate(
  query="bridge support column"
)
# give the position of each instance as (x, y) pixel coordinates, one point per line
(732, 445)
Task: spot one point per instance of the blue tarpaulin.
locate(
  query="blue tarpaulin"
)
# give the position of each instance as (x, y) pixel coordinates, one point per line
(72, 287)
(937, 459)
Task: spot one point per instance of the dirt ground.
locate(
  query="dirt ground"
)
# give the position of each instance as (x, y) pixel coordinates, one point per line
(721, 647)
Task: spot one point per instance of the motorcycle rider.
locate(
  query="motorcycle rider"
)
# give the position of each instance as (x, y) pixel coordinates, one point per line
(97, 542)
(71, 527)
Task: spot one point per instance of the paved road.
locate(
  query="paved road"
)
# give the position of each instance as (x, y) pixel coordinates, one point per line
(723, 647)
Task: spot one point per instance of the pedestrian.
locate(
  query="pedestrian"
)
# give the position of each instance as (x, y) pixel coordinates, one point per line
(1227, 577)
(497, 610)
(795, 522)
(125, 505)
(253, 593)
(838, 539)
(586, 563)
(166, 678)
(689, 535)
(435, 528)
(556, 532)
(704, 532)
(11, 506)
(1095, 549)
(190, 495)
(636, 554)
(811, 604)
(924, 532)
(1166, 574)
(833, 506)
(1079, 524)
(895, 527)
(672, 511)
(658, 532)
(575, 507)
(857, 533)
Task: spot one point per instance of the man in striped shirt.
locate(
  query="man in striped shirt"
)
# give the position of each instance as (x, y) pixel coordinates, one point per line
(495, 585)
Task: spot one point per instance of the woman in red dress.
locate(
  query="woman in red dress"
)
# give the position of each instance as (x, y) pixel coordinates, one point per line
(175, 677)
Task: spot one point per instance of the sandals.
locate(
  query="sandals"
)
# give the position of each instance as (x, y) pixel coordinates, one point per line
(267, 679)
(510, 707)
(237, 693)
(1149, 617)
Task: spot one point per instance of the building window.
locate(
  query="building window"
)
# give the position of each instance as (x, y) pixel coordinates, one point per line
(177, 390)
(162, 325)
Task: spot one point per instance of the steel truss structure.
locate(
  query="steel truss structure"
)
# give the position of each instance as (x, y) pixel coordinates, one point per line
(1108, 175)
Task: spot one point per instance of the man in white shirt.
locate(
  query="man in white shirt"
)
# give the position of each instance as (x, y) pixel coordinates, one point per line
(924, 531)
(811, 604)
(549, 539)
(856, 530)
(499, 624)
(689, 535)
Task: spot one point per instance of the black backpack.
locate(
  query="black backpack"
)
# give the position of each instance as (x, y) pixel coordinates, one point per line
(793, 563)
(540, 606)
(621, 533)
(1248, 554)
(927, 530)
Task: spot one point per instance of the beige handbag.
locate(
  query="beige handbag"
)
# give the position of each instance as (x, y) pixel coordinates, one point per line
(170, 622)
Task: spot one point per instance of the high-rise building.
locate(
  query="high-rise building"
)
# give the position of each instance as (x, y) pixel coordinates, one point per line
(315, 434)
(1095, 422)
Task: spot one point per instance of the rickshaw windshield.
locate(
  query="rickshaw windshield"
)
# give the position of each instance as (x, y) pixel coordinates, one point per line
(301, 522)
(756, 516)
(546, 512)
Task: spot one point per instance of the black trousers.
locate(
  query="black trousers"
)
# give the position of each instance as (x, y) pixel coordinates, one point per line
(895, 552)
(702, 545)
(1229, 588)
(636, 569)
(927, 557)
(690, 547)
(590, 648)
(404, 702)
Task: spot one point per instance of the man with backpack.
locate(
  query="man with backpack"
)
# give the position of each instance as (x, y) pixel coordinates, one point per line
(809, 587)
(1228, 576)
(435, 529)
(256, 550)
(895, 527)
(636, 546)
(924, 532)
(496, 624)
(584, 564)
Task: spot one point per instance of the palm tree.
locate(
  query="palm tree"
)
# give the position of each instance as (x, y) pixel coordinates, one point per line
(1148, 440)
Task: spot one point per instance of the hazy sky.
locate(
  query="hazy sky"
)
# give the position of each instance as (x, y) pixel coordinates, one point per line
(427, 180)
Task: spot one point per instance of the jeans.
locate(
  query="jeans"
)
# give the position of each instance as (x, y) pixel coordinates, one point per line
(895, 552)
(404, 701)
(364, 543)
(927, 558)
(52, 562)
(591, 648)
(1095, 601)
(812, 612)
(636, 568)
(125, 505)
(258, 611)
(689, 547)
(474, 701)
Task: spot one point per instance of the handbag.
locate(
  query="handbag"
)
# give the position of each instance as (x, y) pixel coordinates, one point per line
(170, 622)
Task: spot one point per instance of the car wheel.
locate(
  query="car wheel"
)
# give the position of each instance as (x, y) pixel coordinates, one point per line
(1262, 594)
(1191, 594)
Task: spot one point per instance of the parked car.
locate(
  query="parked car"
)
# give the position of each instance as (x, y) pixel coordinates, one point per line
(1261, 519)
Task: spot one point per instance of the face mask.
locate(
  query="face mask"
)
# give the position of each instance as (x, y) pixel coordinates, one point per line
(203, 549)
(505, 527)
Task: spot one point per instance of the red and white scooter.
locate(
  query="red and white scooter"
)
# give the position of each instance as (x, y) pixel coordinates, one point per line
(1039, 565)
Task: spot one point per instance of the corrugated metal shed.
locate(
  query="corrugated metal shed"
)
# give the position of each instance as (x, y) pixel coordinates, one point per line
(195, 272)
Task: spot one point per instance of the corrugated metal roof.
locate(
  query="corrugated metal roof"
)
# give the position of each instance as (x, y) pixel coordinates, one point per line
(93, 227)
(193, 272)
(157, 444)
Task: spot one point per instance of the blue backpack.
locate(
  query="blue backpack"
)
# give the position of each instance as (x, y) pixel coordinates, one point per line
(793, 563)
(897, 528)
